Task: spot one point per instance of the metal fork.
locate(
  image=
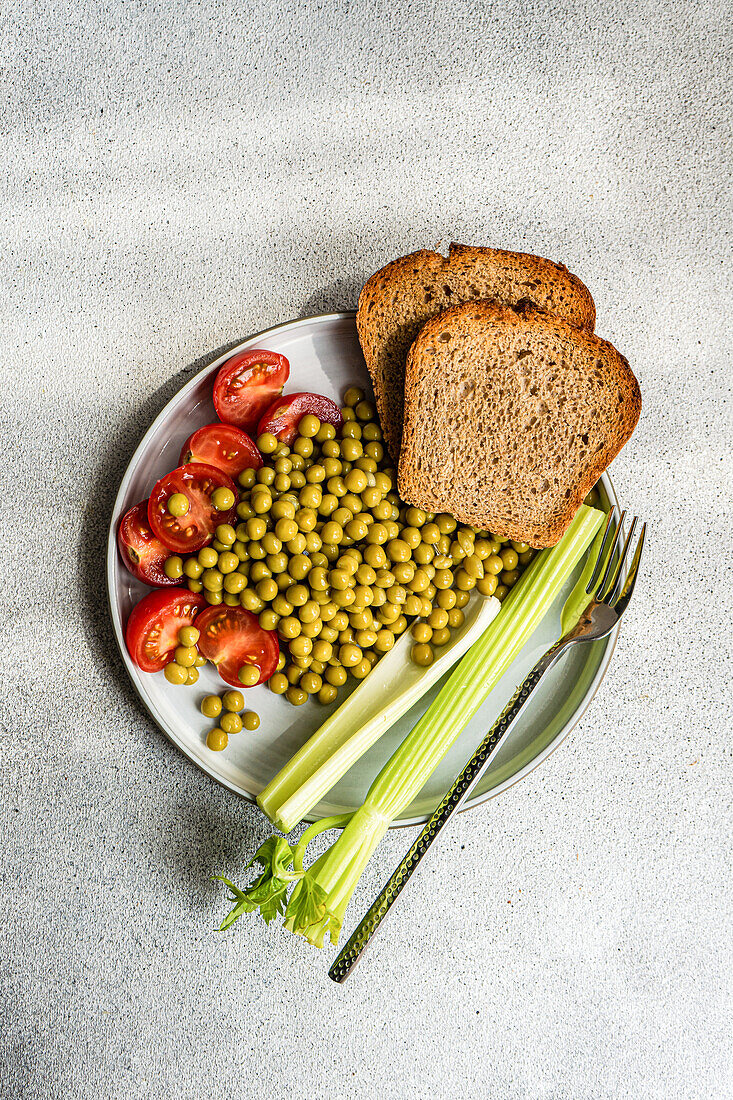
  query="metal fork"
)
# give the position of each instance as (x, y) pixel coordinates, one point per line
(612, 595)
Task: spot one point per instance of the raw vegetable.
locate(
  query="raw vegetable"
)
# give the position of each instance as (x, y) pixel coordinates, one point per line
(152, 630)
(390, 689)
(318, 901)
(224, 446)
(143, 553)
(246, 386)
(579, 599)
(284, 415)
(199, 484)
(233, 639)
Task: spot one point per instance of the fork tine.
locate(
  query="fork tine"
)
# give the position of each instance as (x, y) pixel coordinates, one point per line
(622, 600)
(609, 557)
(614, 585)
(601, 554)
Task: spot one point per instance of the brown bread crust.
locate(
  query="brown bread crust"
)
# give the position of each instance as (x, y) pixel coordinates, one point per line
(397, 301)
(511, 416)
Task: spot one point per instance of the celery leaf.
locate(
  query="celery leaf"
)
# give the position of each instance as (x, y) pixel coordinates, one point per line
(267, 893)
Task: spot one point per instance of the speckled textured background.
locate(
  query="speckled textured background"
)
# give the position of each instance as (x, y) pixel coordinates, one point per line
(177, 176)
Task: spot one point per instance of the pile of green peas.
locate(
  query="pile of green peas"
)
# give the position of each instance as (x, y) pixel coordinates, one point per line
(233, 719)
(184, 668)
(328, 555)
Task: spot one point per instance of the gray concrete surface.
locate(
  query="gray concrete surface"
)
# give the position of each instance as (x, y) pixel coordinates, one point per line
(176, 176)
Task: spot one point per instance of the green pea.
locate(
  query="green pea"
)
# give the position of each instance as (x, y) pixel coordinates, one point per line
(211, 706)
(216, 740)
(251, 601)
(230, 723)
(281, 509)
(282, 606)
(226, 534)
(185, 656)
(234, 583)
(248, 675)
(303, 447)
(207, 558)
(173, 567)
(296, 696)
(353, 396)
(188, 635)
(509, 558)
(308, 425)
(266, 443)
(193, 568)
(300, 566)
(175, 673)
(422, 654)
(352, 449)
(178, 504)
(278, 683)
(223, 499)
(228, 562)
(493, 564)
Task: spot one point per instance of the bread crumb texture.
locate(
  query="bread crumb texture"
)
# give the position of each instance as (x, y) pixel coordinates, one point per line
(400, 298)
(510, 418)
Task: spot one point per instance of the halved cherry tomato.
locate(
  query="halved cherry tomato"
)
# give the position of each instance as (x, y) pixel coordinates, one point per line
(152, 629)
(186, 534)
(223, 446)
(284, 414)
(140, 550)
(232, 637)
(247, 384)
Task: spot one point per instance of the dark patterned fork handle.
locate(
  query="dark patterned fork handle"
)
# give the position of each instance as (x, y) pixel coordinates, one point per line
(352, 950)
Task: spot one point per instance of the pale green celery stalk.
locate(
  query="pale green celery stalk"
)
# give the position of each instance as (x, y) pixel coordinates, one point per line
(579, 599)
(409, 768)
(394, 685)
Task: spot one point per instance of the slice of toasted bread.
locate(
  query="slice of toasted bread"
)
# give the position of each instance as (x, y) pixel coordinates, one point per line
(397, 301)
(511, 416)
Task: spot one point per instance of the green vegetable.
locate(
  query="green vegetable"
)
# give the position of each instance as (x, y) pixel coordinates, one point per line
(211, 706)
(178, 504)
(579, 599)
(268, 892)
(318, 901)
(389, 690)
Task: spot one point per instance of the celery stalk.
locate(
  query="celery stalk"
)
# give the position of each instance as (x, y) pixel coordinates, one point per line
(395, 684)
(318, 902)
(409, 768)
(579, 599)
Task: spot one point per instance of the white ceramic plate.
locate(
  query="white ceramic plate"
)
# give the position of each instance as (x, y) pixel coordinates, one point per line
(325, 357)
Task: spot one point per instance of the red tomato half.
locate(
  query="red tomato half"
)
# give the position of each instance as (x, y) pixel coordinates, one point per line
(232, 637)
(186, 534)
(246, 386)
(140, 550)
(223, 446)
(152, 629)
(283, 416)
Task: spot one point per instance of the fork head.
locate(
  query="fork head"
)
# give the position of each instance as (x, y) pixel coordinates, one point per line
(615, 585)
(615, 589)
(610, 581)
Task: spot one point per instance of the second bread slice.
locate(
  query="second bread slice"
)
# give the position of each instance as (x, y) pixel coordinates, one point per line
(510, 417)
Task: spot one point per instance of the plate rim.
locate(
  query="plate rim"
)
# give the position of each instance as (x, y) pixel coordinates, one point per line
(403, 823)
